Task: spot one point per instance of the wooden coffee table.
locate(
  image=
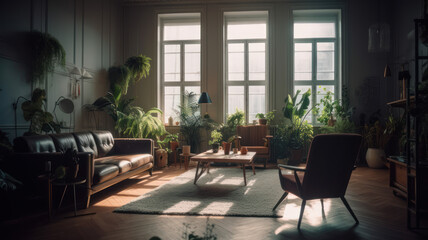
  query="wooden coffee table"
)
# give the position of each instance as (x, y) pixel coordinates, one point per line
(204, 159)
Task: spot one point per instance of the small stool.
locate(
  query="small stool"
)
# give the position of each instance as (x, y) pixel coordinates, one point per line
(67, 183)
(186, 158)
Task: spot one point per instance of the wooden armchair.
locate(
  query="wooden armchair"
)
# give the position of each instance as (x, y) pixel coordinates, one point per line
(256, 139)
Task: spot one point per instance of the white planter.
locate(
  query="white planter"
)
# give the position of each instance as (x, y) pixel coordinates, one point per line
(375, 158)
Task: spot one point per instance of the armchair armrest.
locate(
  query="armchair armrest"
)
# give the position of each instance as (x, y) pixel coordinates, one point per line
(132, 146)
(294, 168)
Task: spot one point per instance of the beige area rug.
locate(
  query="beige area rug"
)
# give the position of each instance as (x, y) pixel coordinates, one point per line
(219, 193)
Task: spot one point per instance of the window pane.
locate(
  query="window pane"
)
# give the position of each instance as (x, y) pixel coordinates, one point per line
(325, 61)
(321, 93)
(171, 101)
(256, 101)
(256, 61)
(302, 61)
(304, 89)
(182, 31)
(314, 30)
(246, 30)
(235, 61)
(235, 99)
(194, 89)
(172, 63)
(192, 62)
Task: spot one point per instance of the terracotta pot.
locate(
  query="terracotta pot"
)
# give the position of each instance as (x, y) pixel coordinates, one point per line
(226, 147)
(173, 145)
(262, 121)
(296, 157)
(331, 121)
(186, 149)
(375, 158)
(244, 150)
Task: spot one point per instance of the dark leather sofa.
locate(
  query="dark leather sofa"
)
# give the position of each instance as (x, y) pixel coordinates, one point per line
(103, 160)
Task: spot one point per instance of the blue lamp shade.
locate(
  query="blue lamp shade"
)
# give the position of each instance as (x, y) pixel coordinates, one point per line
(204, 98)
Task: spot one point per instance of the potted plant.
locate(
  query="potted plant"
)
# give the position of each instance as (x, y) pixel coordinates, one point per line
(293, 132)
(35, 111)
(376, 137)
(216, 138)
(163, 151)
(265, 118)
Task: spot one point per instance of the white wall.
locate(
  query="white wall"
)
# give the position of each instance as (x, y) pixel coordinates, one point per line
(90, 32)
(363, 71)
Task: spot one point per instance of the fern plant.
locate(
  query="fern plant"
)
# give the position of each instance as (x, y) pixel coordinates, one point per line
(45, 53)
(140, 124)
(139, 67)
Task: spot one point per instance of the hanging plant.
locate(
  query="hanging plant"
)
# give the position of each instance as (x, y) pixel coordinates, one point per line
(139, 67)
(46, 53)
(119, 79)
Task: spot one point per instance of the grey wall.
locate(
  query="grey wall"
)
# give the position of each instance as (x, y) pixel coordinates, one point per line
(90, 32)
(362, 71)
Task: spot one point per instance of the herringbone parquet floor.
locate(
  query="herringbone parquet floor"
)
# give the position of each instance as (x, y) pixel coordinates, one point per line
(381, 215)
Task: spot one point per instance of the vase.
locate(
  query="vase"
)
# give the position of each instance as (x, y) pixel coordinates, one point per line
(226, 147)
(173, 145)
(186, 150)
(244, 150)
(215, 147)
(375, 158)
(161, 158)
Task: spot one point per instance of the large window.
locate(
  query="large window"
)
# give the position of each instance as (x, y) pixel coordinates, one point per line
(180, 59)
(316, 53)
(246, 75)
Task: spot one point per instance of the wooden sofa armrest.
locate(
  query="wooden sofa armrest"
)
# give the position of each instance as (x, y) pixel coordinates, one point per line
(132, 146)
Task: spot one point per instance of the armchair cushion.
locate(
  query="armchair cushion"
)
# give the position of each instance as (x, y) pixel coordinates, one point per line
(288, 181)
(104, 141)
(86, 143)
(64, 141)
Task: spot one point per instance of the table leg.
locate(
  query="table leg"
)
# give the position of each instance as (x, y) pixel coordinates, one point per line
(62, 197)
(245, 178)
(74, 198)
(50, 197)
(186, 162)
(196, 174)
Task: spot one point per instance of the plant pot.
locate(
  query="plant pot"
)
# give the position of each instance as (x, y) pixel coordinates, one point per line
(226, 147)
(215, 147)
(296, 156)
(161, 158)
(186, 150)
(173, 145)
(262, 121)
(375, 158)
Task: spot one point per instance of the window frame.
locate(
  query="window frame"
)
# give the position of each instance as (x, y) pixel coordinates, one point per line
(246, 83)
(182, 43)
(313, 83)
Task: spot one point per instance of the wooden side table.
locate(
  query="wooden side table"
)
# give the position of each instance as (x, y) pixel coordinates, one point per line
(186, 158)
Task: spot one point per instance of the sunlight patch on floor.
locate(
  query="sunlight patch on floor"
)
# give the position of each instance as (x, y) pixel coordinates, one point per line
(219, 207)
(183, 206)
(233, 181)
(312, 214)
(216, 179)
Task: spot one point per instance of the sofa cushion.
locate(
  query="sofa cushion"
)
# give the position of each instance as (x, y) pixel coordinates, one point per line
(126, 162)
(104, 141)
(124, 165)
(64, 141)
(86, 143)
(34, 144)
(104, 172)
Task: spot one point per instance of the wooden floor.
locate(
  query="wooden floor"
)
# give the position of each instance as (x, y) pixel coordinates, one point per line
(381, 215)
